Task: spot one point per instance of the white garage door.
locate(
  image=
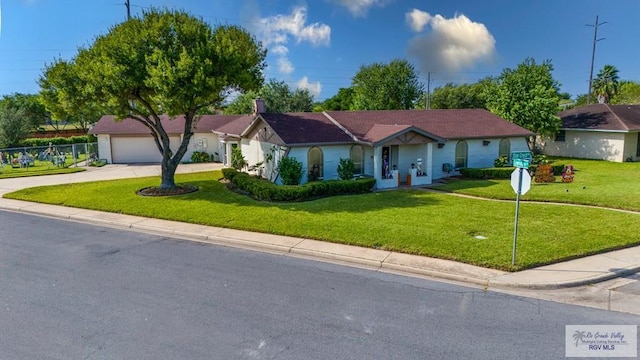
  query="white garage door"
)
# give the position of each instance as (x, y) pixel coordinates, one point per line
(126, 150)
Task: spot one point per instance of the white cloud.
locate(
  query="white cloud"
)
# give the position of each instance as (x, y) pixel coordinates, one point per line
(277, 29)
(417, 19)
(453, 44)
(279, 50)
(276, 32)
(314, 88)
(360, 8)
(285, 66)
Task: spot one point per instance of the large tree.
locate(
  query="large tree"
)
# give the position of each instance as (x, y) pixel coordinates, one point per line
(463, 96)
(34, 114)
(527, 96)
(278, 98)
(605, 85)
(62, 93)
(393, 86)
(13, 128)
(168, 62)
(628, 93)
(343, 100)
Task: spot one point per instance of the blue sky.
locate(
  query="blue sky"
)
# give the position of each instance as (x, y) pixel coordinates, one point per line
(321, 44)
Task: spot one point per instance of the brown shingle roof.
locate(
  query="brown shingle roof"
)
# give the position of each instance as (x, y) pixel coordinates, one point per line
(305, 128)
(206, 123)
(602, 117)
(447, 124)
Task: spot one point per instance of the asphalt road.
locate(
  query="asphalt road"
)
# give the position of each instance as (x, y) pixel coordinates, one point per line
(75, 291)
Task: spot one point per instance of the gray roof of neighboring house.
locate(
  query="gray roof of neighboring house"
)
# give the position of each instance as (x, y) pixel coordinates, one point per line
(602, 117)
(229, 124)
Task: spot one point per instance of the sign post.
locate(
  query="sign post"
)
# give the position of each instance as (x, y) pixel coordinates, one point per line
(521, 183)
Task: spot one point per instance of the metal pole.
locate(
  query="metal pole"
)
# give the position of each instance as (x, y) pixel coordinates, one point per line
(428, 105)
(593, 55)
(515, 226)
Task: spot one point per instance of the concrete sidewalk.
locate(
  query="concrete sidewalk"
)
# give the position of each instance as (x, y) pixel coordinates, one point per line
(574, 273)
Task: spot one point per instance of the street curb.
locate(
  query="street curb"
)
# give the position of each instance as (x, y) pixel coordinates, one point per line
(379, 260)
(566, 284)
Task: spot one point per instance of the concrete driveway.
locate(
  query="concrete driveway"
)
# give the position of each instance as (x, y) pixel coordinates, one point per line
(107, 172)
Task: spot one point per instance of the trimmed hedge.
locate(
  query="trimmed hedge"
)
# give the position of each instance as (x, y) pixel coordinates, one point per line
(502, 172)
(34, 142)
(264, 190)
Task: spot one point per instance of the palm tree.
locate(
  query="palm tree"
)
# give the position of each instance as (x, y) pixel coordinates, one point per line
(605, 85)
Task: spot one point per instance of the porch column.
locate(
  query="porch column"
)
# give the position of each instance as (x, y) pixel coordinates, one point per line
(377, 163)
(429, 163)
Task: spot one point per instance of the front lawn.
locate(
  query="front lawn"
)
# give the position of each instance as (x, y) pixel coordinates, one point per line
(473, 231)
(599, 183)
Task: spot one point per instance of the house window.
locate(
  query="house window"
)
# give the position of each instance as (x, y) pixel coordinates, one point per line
(560, 135)
(314, 163)
(461, 154)
(356, 157)
(638, 146)
(505, 148)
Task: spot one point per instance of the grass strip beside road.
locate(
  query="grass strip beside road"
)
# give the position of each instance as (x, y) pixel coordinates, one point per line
(472, 231)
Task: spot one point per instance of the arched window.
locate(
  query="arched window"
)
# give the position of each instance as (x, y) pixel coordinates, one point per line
(461, 154)
(505, 148)
(357, 157)
(314, 163)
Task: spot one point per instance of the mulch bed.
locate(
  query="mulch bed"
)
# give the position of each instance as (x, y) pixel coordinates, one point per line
(157, 191)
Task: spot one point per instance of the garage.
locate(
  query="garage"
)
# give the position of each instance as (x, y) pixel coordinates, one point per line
(136, 149)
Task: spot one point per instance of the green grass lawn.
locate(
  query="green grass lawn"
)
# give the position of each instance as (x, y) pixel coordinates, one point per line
(38, 168)
(599, 183)
(411, 221)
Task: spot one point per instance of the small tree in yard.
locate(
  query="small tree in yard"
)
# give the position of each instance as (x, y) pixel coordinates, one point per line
(167, 62)
(345, 169)
(237, 160)
(290, 171)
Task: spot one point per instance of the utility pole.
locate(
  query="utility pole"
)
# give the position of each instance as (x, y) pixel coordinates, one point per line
(593, 54)
(428, 104)
(128, 5)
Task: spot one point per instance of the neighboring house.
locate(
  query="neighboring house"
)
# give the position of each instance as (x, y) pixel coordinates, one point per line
(129, 141)
(598, 131)
(386, 145)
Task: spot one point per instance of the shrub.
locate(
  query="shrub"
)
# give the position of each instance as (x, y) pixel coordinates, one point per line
(237, 160)
(201, 157)
(290, 171)
(345, 169)
(229, 173)
(502, 161)
(34, 142)
(487, 173)
(262, 189)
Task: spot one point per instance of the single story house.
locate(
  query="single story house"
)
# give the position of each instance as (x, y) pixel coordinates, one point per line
(395, 146)
(598, 131)
(129, 141)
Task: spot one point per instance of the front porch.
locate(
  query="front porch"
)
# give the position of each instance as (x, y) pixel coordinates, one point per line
(402, 165)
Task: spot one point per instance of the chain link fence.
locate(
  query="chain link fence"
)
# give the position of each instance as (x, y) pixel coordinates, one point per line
(47, 157)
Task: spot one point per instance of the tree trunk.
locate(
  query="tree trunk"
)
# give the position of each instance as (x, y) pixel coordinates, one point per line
(169, 168)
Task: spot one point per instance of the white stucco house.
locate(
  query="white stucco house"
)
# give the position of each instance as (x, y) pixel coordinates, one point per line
(396, 147)
(597, 131)
(129, 141)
